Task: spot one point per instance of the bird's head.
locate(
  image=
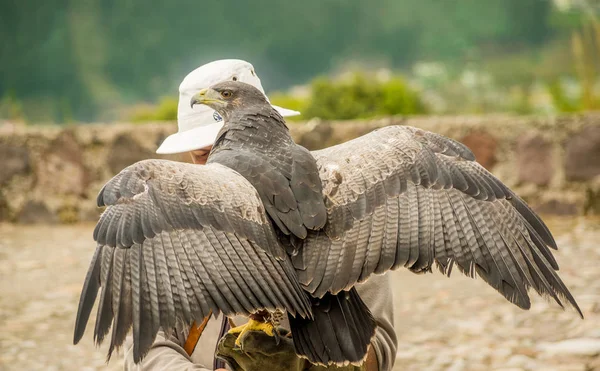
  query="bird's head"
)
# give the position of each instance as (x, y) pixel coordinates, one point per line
(227, 96)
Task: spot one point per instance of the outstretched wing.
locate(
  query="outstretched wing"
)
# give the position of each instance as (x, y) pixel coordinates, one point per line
(176, 242)
(401, 196)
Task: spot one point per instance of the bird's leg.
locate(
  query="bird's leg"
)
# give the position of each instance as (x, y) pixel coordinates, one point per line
(257, 322)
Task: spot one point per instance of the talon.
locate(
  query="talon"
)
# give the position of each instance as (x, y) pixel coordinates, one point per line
(276, 335)
(231, 323)
(237, 330)
(252, 325)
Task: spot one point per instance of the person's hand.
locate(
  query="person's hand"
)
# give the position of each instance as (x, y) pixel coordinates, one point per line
(261, 352)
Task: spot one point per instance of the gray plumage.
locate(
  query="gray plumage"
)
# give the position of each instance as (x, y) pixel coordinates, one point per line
(256, 143)
(404, 197)
(176, 241)
(268, 225)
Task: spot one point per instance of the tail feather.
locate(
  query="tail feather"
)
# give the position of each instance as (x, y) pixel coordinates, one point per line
(340, 332)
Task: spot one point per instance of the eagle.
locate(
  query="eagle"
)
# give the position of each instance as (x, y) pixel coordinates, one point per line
(267, 226)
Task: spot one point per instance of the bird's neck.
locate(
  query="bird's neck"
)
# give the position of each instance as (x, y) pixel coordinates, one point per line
(258, 130)
(258, 114)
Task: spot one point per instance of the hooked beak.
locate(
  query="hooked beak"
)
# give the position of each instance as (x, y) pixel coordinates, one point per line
(207, 96)
(199, 98)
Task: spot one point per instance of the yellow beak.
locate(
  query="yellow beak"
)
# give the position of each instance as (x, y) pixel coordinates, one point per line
(198, 98)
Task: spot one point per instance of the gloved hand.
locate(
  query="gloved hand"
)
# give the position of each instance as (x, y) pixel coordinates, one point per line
(261, 352)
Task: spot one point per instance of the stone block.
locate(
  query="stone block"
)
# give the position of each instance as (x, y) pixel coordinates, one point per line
(4, 208)
(60, 170)
(315, 138)
(34, 212)
(534, 160)
(125, 151)
(582, 160)
(484, 147)
(14, 160)
(557, 207)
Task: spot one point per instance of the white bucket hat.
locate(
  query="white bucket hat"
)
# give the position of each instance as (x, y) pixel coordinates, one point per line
(199, 126)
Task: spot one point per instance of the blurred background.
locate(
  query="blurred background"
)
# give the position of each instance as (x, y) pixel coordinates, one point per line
(88, 87)
(106, 60)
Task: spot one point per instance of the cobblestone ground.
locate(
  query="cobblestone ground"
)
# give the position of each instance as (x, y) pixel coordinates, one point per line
(442, 324)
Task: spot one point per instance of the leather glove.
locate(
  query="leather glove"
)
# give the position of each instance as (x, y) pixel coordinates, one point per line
(261, 352)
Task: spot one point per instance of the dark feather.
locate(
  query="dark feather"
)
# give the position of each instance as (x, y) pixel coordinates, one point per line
(88, 295)
(340, 333)
(105, 310)
(256, 143)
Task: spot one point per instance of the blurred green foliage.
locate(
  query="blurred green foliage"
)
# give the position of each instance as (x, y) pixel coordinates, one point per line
(585, 44)
(87, 59)
(561, 100)
(290, 101)
(361, 96)
(10, 107)
(165, 111)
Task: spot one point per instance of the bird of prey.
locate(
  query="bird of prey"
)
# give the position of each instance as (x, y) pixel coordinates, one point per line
(268, 226)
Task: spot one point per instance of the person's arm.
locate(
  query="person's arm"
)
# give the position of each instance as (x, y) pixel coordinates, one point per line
(165, 354)
(261, 352)
(376, 292)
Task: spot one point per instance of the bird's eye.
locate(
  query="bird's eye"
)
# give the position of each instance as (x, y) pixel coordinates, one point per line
(226, 94)
(252, 72)
(234, 78)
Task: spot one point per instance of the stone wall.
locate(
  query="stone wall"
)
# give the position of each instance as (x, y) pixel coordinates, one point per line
(52, 174)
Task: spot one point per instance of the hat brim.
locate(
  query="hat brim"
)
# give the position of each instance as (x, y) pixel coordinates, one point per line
(202, 136)
(286, 112)
(185, 141)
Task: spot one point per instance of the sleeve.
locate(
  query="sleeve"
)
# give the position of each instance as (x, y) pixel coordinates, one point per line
(377, 294)
(165, 354)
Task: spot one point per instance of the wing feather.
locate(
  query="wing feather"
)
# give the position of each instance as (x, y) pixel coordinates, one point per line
(375, 244)
(147, 313)
(177, 241)
(165, 294)
(136, 293)
(177, 267)
(104, 316)
(152, 283)
(440, 206)
(122, 308)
